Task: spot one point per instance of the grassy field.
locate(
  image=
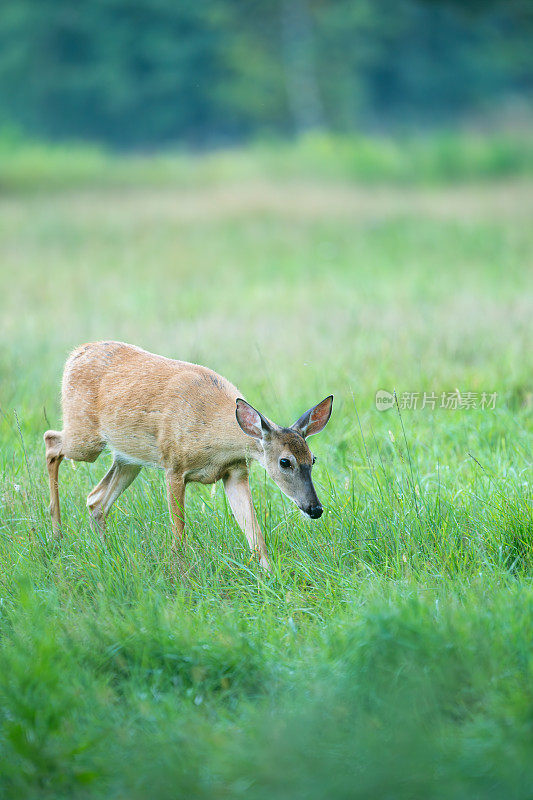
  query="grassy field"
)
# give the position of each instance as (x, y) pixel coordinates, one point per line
(390, 652)
(448, 157)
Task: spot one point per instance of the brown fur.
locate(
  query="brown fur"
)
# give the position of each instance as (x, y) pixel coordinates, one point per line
(296, 444)
(152, 410)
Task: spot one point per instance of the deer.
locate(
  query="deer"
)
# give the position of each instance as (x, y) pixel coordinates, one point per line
(183, 418)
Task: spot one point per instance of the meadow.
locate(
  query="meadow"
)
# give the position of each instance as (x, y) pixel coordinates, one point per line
(390, 652)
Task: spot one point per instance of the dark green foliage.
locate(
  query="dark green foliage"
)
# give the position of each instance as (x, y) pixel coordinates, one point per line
(148, 73)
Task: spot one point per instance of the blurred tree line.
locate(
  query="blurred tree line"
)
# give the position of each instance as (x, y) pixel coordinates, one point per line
(142, 73)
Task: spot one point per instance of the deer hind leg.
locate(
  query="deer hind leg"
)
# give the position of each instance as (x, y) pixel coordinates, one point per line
(77, 444)
(115, 481)
(54, 456)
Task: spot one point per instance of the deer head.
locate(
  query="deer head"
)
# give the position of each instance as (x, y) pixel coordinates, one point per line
(286, 455)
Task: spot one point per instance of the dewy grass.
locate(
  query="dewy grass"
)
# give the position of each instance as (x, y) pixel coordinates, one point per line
(389, 652)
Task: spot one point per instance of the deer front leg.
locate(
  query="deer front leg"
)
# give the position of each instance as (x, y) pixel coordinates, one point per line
(115, 481)
(176, 507)
(240, 499)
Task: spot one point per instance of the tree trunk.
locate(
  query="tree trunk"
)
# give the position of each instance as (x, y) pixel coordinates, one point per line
(302, 86)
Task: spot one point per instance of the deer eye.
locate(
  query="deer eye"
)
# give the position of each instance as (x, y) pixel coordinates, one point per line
(284, 463)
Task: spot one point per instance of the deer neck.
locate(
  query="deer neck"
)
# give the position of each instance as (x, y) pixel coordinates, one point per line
(251, 449)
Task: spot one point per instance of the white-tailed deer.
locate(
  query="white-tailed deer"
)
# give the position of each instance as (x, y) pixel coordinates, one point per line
(181, 417)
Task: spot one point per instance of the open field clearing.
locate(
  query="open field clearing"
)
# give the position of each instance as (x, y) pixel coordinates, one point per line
(390, 652)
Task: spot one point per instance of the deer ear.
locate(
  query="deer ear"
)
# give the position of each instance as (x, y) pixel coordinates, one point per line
(314, 420)
(251, 421)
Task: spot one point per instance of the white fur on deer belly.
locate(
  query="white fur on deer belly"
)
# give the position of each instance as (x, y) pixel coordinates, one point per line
(206, 475)
(124, 458)
(133, 449)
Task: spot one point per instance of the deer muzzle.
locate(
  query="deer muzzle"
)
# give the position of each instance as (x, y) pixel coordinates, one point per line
(315, 511)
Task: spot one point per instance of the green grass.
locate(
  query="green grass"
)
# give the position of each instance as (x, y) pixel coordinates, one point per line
(27, 166)
(390, 653)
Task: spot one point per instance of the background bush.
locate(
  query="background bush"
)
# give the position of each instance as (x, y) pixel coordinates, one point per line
(144, 74)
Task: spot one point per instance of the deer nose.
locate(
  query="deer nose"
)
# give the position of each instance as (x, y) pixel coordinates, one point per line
(315, 512)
